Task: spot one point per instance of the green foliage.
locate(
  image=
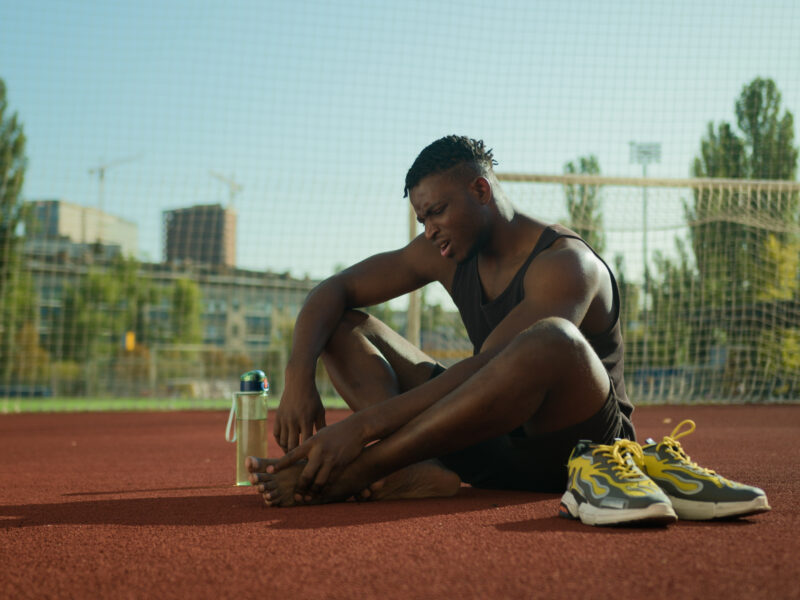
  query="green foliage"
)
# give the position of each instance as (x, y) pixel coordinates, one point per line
(738, 221)
(102, 307)
(745, 241)
(629, 293)
(16, 289)
(12, 175)
(186, 312)
(730, 228)
(583, 204)
(768, 135)
(671, 331)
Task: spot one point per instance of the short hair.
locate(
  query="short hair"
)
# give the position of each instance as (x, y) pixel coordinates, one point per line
(447, 152)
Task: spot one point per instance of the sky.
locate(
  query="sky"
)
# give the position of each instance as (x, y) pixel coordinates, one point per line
(318, 108)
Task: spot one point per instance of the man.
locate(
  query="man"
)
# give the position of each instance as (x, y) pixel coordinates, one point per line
(542, 310)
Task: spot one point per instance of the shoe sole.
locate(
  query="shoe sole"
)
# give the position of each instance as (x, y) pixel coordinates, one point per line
(694, 510)
(658, 513)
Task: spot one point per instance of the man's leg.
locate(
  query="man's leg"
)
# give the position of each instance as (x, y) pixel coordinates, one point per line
(367, 362)
(547, 379)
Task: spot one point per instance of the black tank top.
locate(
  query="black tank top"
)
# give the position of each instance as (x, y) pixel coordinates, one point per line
(481, 318)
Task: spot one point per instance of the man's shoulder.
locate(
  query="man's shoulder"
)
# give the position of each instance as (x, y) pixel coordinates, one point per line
(566, 260)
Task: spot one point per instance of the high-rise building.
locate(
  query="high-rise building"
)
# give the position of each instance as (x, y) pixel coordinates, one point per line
(55, 226)
(203, 234)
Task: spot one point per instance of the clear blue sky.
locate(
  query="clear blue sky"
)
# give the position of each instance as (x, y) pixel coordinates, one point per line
(318, 108)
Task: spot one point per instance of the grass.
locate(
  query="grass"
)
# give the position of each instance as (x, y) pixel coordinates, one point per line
(60, 405)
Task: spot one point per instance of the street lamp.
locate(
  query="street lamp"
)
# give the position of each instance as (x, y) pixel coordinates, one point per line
(645, 154)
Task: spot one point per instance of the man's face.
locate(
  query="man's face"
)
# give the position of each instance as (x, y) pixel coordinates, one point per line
(449, 207)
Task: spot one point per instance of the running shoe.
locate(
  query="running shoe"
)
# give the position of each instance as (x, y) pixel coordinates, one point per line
(606, 487)
(696, 493)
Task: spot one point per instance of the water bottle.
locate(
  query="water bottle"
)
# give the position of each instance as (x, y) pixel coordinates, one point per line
(249, 409)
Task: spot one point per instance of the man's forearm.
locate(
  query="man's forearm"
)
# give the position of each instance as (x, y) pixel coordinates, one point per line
(321, 312)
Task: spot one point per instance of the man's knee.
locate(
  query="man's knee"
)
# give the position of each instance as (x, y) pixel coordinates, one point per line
(355, 327)
(353, 318)
(349, 325)
(553, 337)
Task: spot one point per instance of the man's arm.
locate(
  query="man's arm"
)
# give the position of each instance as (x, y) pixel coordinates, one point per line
(374, 280)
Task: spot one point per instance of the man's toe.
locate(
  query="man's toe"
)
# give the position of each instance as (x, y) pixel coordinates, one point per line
(258, 465)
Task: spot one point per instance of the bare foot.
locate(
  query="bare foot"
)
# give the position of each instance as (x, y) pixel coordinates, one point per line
(422, 480)
(277, 489)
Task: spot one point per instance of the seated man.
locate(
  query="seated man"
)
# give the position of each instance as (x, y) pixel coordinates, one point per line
(542, 311)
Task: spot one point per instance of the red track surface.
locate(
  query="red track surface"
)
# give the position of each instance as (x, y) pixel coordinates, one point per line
(141, 505)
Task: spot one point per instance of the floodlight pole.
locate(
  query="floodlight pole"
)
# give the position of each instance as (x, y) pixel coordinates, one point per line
(644, 154)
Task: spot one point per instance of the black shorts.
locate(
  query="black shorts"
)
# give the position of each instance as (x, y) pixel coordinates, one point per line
(516, 461)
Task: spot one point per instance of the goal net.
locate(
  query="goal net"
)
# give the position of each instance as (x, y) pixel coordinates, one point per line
(176, 177)
(708, 276)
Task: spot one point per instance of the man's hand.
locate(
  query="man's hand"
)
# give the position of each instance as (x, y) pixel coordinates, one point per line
(298, 414)
(328, 452)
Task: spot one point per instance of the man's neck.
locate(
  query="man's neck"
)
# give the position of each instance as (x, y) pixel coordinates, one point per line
(510, 237)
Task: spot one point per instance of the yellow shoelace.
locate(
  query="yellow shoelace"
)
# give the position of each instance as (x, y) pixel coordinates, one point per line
(618, 452)
(674, 446)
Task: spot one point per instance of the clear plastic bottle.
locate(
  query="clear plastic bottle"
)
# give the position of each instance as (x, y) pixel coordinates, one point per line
(249, 409)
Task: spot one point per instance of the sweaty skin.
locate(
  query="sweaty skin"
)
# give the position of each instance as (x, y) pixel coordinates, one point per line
(535, 369)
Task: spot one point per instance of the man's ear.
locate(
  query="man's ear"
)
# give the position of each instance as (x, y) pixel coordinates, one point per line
(482, 189)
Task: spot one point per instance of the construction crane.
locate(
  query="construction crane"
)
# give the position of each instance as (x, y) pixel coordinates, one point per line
(100, 171)
(233, 186)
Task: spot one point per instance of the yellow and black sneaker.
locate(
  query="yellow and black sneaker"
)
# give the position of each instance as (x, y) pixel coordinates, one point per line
(606, 487)
(696, 493)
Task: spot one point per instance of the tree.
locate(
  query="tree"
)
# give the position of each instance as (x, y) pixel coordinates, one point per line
(583, 203)
(629, 295)
(186, 312)
(102, 307)
(730, 227)
(137, 293)
(88, 318)
(16, 290)
(674, 302)
(745, 240)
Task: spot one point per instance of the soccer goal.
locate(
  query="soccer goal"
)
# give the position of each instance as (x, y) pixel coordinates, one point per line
(708, 275)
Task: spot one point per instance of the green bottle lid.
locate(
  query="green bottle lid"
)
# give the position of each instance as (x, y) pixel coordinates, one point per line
(253, 381)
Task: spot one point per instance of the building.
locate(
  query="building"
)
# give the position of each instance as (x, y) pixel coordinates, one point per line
(58, 226)
(244, 316)
(201, 234)
(239, 305)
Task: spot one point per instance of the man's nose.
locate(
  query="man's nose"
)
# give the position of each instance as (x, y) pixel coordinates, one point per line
(430, 229)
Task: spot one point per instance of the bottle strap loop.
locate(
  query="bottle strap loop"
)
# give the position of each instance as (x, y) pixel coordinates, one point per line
(231, 416)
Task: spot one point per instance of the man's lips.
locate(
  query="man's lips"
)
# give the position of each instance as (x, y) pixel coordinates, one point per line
(444, 247)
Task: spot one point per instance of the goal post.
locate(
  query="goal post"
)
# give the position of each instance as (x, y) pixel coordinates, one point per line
(719, 318)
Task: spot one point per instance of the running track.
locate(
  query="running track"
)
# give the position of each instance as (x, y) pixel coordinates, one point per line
(140, 505)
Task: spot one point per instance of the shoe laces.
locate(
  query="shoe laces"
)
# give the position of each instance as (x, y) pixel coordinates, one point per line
(674, 447)
(618, 454)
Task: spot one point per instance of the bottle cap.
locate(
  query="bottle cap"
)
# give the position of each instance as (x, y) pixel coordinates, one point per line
(253, 381)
